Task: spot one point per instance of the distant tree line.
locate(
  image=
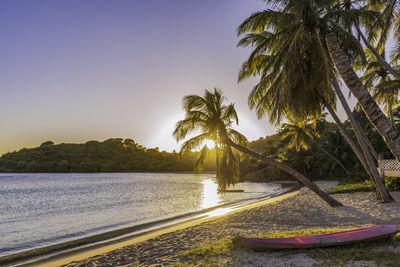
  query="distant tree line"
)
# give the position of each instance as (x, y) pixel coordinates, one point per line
(125, 155)
(112, 155)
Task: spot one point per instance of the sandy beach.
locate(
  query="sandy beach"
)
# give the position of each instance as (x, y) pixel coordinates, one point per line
(299, 210)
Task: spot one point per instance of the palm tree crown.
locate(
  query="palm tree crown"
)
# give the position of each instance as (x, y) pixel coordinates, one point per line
(292, 59)
(208, 115)
(298, 134)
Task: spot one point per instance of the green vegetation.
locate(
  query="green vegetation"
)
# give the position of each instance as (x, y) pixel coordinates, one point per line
(352, 187)
(218, 253)
(112, 155)
(222, 247)
(384, 87)
(229, 251)
(391, 183)
(313, 161)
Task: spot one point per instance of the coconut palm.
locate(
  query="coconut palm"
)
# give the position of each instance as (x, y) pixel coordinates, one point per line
(384, 126)
(208, 115)
(214, 120)
(380, 19)
(302, 135)
(384, 89)
(379, 31)
(292, 59)
(297, 76)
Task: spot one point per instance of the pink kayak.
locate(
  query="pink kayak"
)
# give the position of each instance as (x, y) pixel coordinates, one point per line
(332, 239)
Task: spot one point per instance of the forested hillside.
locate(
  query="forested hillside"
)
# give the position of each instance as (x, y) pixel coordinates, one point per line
(112, 155)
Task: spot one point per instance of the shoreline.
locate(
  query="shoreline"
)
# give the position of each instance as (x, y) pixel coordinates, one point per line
(132, 234)
(301, 210)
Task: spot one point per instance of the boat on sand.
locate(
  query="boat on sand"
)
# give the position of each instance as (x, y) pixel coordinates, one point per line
(332, 239)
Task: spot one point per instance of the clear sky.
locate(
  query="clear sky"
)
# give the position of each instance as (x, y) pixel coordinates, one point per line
(73, 70)
(79, 70)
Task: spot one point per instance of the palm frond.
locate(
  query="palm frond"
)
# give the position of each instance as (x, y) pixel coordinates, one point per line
(199, 165)
(263, 20)
(228, 169)
(194, 142)
(237, 137)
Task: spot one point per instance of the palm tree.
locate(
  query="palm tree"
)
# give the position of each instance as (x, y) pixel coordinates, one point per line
(378, 32)
(296, 72)
(208, 115)
(301, 135)
(383, 125)
(384, 89)
(297, 75)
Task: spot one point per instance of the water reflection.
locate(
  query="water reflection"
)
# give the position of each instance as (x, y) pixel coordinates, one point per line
(220, 212)
(210, 197)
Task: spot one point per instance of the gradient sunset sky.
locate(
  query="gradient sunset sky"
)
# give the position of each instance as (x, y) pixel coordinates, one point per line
(74, 70)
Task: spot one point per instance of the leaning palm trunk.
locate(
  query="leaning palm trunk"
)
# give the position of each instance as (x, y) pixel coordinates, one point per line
(371, 147)
(378, 56)
(350, 141)
(378, 182)
(384, 126)
(332, 157)
(347, 137)
(302, 179)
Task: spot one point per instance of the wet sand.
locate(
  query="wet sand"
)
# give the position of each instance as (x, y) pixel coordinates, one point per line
(294, 211)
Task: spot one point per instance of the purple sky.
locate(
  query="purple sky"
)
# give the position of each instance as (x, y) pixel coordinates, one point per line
(79, 70)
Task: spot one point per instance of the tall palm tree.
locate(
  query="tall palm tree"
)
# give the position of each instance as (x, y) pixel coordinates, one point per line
(208, 115)
(367, 150)
(379, 31)
(291, 58)
(378, 24)
(302, 135)
(384, 89)
(383, 124)
(297, 75)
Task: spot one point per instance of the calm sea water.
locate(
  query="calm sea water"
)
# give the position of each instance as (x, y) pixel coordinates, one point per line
(38, 210)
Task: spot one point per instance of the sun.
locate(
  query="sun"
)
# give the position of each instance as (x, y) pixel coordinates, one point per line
(209, 143)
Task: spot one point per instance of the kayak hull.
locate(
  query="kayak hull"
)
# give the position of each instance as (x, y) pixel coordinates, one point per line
(332, 239)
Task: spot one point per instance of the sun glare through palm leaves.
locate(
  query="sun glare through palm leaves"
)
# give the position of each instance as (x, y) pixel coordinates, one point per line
(209, 143)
